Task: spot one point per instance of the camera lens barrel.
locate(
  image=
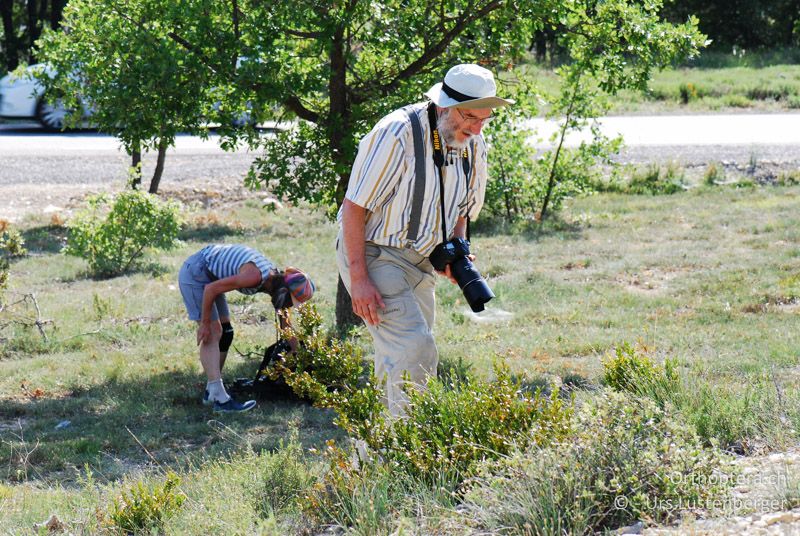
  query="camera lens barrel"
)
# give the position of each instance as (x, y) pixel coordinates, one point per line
(473, 285)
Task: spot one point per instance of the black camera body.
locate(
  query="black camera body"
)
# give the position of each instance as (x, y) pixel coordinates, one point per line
(455, 253)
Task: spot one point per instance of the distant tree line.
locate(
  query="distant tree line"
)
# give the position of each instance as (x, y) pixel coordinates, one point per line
(745, 24)
(22, 24)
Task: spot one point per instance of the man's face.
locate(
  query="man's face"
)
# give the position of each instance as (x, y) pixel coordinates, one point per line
(458, 126)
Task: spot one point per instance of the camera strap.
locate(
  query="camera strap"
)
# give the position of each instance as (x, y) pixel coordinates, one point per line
(439, 162)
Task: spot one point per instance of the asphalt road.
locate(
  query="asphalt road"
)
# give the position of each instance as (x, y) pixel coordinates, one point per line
(30, 156)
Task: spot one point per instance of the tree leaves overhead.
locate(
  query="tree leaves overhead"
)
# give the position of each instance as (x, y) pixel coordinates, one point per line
(151, 68)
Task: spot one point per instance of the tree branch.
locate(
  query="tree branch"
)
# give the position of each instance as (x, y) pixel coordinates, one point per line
(301, 34)
(363, 93)
(295, 105)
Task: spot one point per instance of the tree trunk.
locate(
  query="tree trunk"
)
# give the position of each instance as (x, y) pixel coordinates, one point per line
(56, 10)
(136, 167)
(162, 153)
(339, 114)
(9, 34)
(345, 317)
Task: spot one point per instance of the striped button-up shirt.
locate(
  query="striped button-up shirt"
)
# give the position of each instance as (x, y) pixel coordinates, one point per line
(382, 181)
(226, 260)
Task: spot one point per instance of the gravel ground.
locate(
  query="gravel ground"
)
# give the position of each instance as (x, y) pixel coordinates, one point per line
(30, 185)
(52, 184)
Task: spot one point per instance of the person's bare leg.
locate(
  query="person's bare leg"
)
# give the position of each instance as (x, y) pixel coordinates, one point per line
(209, 353)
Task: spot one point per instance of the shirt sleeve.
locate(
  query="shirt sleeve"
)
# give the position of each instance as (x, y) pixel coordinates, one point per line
(378, 166)
(477, 183)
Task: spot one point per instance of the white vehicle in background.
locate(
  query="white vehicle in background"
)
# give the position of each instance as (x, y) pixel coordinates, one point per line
(21, 97)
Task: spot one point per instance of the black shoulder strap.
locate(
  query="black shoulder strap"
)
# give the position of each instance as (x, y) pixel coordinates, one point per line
(465, 162)
(419, 174)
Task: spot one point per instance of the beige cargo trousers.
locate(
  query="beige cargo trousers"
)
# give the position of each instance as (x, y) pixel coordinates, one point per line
(403, 339)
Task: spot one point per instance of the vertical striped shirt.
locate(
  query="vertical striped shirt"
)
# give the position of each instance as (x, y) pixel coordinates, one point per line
(226, 260)
(382, 181)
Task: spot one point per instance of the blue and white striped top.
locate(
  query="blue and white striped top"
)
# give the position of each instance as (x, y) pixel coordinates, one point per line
(226, 260)
(382, 181)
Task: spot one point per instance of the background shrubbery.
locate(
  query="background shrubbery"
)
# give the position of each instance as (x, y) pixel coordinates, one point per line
(112, 234)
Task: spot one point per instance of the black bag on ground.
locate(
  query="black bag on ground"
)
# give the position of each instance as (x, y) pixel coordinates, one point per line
(262, 387)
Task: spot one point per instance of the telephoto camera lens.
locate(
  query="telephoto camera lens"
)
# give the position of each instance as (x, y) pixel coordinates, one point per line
(472, 284)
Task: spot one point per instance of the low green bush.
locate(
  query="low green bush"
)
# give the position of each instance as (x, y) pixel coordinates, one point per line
(714, 174)
(113, 234)
(624, 459)
(12, 244)
(743, 417)
(144, 508)
(632, 370)
(449, 428)
(656, 181)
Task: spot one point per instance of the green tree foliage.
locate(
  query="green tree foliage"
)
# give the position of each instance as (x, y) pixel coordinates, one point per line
(119, 60)
(613, 45)
(112, 235)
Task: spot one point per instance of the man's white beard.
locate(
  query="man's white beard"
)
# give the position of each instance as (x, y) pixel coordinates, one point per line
(446, 127)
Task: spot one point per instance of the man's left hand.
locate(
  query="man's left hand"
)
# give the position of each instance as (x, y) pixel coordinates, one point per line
(449, 275)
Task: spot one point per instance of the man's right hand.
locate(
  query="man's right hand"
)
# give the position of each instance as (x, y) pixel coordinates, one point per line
(366, 301)
(203, 332)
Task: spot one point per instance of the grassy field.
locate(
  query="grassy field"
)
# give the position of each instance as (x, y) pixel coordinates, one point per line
(767, 81)
(710, 277)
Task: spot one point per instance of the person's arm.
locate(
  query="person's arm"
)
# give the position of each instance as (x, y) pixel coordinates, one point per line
(248, 277)
(363, 293)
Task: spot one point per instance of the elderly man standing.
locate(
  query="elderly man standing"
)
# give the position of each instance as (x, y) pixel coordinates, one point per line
(392, 219)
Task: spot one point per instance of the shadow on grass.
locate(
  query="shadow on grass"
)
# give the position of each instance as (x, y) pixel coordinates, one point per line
(45, 239)
(208, 233)
(118, 426)
(529, 230)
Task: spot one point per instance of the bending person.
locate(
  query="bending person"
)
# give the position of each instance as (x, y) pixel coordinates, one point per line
(204, 279)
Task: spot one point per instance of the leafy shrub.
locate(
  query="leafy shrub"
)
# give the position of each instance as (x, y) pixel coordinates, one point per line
(522, 176)
(624, 459)
(742, 416)
(687, 92)
(330, 372)
(447, 429)
(113, 238)
(714, 174)
(448, 426)
(632, 370)
(656, 181)
(144, 508)
(12, 244)
(737, 101)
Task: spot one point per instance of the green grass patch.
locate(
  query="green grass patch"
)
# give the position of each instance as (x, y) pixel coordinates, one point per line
(706, 276)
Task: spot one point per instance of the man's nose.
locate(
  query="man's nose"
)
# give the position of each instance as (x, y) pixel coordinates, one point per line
(475, 128)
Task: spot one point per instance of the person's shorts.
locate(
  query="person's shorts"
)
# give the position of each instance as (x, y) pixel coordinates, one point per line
(192, 280)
